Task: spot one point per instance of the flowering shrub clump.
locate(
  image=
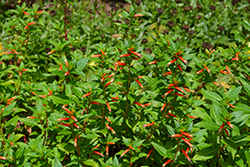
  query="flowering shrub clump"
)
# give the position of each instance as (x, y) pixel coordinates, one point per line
(147, 83)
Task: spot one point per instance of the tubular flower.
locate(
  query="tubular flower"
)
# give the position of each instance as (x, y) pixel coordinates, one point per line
(167, 162)
(179, 67)
(139, 104)
(226, 132)
(26, 13)
(150, 152)
(176, 135)
(187, 134)
(138, 15)
(63, 119)
(74, 118)
(31, 117)
(120, 63)
(107, 150)
(221, 127)
(179, 89)
(163, 106)
(97, 55)
(167, 73)
(103, 52)
(171, 90)
(64, 124)
(172, 115)
(171, 62)
(146, 125)
(112, 80)
(125, 55)
(94, 102)
(87, 94)
(187, 142)
(216, 83)
(230, 125)
(124, 152)
(75, 141)
(108, 107)
(108, 127)
(184, 152)
(107, 119)
(207, 68)
(98, 153)
(200, 71)
(50, 92)
(3, 158)
(135, 53)
(182, 59)
(66, 62)
(191, 116)
(67, 110)
(139, 83)
(75, 125)
(153, 62)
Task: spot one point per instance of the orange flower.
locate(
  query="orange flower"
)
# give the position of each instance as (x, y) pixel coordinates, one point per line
(171, 62)
(146, 125)
(191, 116)
(31, 23)
(64, 124)
(167, 73)
(31, 117)
(188, 143)
(221, 127)
(108, 127)
(66, 62)
(153, 62)
(167, 162)
(120, 63)
(181, 58)
(200, 71)
(163, 106)
(139, 104)
(98, 153)
(216, 83)
(124, 152)
(50, 92)
(230, 125)
(139, 83)
(75, 125)
(3, 158)
(187, 134)
(135, 53)
(67, 110)
(103, 52)
(97, 55)
(171, 90)
(112, 80)
(63, 119)
(184, 152)
(87, 94)
(94, 102)
(116, 36)
(138, 15)
(176, 135)
(75, 141)
(150, 152)
(172, 115)
(179, 89)
(42, 96)
(207, 68)
(66, 73)
(107, 150)
(130, 147)
(74, 118)
(108, 107)
(125, 55)
(51, 52)
(26, 13)
(107, 119)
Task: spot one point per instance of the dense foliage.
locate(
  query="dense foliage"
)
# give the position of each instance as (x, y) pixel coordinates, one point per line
(152, 83)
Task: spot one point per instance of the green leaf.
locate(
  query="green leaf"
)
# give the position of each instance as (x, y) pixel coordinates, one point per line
(233, 93)
(115, 162)
(57, 163)
(246, 86)
(91, 162)
(211, 95)
(246, 24)
(12, 121)
(28, 121)
(215, 112)
(205, 154)
(9, 109)
(208, 125)
(82, 63)
(60, 99)
(160, 149)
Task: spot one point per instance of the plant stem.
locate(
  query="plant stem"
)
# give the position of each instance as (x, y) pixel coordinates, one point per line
(178, 144)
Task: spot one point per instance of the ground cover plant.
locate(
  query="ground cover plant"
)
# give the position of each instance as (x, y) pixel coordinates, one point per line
(146, 83)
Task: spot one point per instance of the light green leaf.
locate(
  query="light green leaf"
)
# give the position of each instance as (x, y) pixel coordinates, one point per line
(211, 95)
(160, 149)
(91, 162)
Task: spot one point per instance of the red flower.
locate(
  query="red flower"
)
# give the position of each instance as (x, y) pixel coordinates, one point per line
(167, 162)
(107, 119)
(185, 61)
(150, 152)
(75, 141)
(172, 115)
(124, 152)
(108, 127)
(139, 83)
(207, 68)
(221, 127)
(125, 55)
(87, 94)
(171, 62)
(108, 107)
(184, 152)
(64, 124)
(163, 106)
(200, 71)
(167, 73)
(171, 90)
(187, 134)
(66, 62)
(112, 80)
(230, 125)
(135, 53)
(146, 125)
(63, 119)
(138, 15)
(26, 13)
(188, 143)
(120, 63)
(31, 23)
(98, 153)
(176, 135)
(226, 132)
(74, 118)
(97, 55)
(153, 62)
